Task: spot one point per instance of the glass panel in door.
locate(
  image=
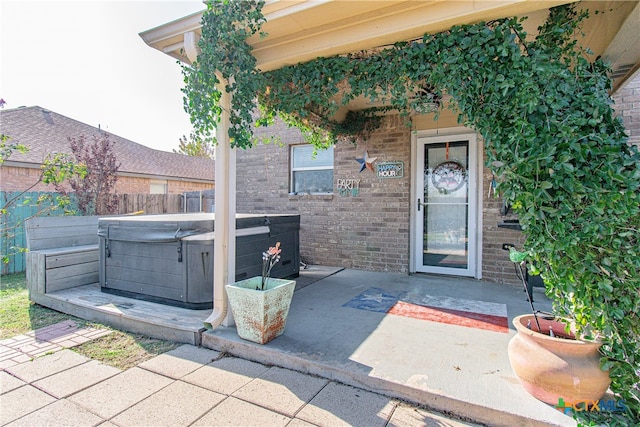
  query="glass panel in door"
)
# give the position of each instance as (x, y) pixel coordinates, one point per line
(445, 208)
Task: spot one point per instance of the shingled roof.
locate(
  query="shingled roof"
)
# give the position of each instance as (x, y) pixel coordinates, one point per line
(45, 131)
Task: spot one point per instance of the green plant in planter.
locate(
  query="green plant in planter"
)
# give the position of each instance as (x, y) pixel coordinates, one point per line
(543, 109)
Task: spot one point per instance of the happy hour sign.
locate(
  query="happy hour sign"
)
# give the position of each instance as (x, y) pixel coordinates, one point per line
(390, 170)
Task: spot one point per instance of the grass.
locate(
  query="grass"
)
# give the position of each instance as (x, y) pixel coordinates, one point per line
(19, 315)
(124, 350)
(120, 349)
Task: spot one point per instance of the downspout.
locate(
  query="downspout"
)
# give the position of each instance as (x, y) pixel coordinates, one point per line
(224, 233)
(225, 216)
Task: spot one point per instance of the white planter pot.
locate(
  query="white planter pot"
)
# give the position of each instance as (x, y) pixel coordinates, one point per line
(260, 316)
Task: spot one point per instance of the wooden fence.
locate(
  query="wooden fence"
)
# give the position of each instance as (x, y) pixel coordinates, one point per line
(149, 203)
(24, 206)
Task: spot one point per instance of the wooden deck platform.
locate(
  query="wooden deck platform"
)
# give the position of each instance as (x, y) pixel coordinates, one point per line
(144, 317)
(148, 318)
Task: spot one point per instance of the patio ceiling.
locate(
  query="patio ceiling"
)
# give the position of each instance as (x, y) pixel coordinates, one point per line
(302, 30)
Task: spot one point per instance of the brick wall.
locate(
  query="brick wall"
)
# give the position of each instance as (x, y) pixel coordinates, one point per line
(496, 266)
(132, 185)
(19, 178)
(179, 187)
(627, 105)
(371, 231)
(366, 232)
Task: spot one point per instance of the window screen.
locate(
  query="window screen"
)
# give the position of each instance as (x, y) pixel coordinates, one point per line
(311, 174)
(159, 187)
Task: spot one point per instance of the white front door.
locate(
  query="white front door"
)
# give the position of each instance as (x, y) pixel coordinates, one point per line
(446, 205)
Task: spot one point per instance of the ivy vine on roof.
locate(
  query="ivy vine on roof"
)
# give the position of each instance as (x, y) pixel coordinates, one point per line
(543, 109)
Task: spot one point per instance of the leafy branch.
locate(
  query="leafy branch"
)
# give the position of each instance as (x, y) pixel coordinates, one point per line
(56, 168)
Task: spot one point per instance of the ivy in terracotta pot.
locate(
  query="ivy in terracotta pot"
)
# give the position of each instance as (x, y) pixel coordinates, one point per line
(543, 108)
(555, 366)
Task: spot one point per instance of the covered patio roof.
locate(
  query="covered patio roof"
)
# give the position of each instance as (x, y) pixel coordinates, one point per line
(302, 30)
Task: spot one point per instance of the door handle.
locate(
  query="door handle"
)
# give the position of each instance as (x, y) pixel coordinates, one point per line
(419, 204)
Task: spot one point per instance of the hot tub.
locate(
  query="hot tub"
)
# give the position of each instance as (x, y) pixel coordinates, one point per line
(169, 258)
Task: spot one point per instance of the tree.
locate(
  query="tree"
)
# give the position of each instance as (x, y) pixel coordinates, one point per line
(195, 147)
(96, 191)
(55, 170)
(7, 148)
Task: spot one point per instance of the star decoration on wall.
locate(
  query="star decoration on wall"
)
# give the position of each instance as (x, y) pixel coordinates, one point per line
(366, 162)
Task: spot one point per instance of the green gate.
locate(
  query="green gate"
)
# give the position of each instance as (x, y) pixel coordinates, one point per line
(19, 208)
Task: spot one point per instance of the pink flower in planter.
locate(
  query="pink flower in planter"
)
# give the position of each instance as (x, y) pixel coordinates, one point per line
(269, 259)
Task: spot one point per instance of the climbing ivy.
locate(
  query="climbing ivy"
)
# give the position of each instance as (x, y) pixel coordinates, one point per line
(226, 25)
(543, 109)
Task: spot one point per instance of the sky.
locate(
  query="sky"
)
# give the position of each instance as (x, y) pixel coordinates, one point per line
(85, 60)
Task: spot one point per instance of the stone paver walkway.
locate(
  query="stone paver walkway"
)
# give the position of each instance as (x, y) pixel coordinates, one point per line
(33, 344)
(188, 386)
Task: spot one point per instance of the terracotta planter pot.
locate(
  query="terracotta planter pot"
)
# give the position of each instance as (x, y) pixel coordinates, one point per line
(551, 368)
(260, 316)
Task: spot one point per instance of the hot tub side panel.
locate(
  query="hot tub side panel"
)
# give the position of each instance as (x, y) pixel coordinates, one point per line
(249, 249)
(153, 269)
(286, 230)
(199, 273)
(144, 258)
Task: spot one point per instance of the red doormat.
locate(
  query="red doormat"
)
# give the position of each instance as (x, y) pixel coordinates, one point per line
(485, 315)
(451, 317)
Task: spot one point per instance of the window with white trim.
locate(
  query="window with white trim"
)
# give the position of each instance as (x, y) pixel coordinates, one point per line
(311, 174)
(158, 187)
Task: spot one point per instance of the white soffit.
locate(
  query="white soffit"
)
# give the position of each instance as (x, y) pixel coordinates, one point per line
(623, 52)
(302, 30)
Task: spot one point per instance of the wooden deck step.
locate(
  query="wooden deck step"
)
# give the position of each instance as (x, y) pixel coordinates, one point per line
(148, 318)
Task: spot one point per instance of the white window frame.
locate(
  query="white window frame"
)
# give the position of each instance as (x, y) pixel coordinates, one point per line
(158, 183)
(307, 168)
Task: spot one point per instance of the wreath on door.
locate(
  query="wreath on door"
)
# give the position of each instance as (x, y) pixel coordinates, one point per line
(448, 177)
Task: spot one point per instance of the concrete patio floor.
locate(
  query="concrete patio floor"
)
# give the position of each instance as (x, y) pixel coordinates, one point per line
(463, 370)
(373, 331)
